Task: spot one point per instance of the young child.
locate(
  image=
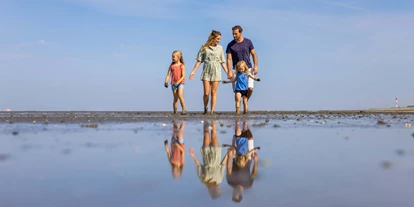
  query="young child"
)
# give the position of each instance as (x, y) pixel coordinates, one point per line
(241, 89)
(177, 73)
(177, 154)
(239, 175)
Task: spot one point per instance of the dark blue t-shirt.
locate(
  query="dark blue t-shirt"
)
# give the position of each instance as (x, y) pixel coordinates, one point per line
(240, 51)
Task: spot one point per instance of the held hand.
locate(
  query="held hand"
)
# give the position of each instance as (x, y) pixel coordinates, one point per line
(166, 84)
(255, 70)
(191, 76)
(176, 84)
(230, 75)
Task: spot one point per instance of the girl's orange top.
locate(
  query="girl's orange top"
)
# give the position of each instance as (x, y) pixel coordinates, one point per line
(176, 73)
(176, 154)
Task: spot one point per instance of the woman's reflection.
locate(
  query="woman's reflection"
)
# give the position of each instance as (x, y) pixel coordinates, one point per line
(238, 171)
(211, 173)
(177, 153)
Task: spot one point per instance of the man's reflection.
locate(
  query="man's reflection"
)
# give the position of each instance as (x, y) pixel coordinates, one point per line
(238, 172)
(177, 153)
(211, 173)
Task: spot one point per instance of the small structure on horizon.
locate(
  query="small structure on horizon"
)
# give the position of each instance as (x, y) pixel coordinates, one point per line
(396, 102)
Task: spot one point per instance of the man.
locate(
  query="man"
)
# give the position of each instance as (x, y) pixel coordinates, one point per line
(240, 49)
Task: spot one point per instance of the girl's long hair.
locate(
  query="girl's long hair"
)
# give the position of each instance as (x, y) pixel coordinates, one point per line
(211, 37)
(242, 64)
(180, 56)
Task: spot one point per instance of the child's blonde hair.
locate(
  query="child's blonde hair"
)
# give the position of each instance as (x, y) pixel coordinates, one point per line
(177, 171)
(180, 56)
(241, 160)
(243, 65)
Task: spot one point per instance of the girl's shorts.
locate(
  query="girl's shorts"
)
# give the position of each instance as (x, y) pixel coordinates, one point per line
(242, 92)
(173, 87)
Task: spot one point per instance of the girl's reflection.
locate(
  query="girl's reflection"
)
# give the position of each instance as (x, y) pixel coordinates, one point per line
(176, 156)
(238, 172)
(211, 173)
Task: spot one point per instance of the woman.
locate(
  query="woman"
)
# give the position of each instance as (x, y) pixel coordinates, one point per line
(211, 171)
(212, 55)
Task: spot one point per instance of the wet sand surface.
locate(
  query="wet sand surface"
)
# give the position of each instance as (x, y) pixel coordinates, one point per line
(119, 159)
(138, 116)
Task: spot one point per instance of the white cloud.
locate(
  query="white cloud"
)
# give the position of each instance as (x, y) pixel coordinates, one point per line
(29, 44)
(14, 56)
(343, 5)
(155, 9)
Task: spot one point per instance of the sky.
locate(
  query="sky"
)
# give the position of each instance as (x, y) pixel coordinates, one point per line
(113, 55)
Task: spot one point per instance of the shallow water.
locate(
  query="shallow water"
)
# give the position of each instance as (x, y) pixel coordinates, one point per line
(308, 163)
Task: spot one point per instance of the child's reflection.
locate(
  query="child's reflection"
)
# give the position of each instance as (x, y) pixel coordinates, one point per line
(211, 173)
(176, 156)
(238, 173)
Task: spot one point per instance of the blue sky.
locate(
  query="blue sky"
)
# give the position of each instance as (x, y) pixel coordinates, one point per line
(114, 55)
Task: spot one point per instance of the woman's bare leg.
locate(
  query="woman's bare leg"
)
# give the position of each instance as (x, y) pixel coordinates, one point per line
(214, 87)
(206, 85)
(206, 139)
(214, 140)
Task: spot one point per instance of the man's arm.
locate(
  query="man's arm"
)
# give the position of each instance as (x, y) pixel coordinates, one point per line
(256, 62)
(229, 160)
(255, 166)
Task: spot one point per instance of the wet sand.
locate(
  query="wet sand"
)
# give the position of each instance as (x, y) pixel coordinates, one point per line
(139, 116)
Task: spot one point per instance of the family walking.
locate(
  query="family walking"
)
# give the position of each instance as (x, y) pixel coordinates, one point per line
(213, 167)
(211, 54)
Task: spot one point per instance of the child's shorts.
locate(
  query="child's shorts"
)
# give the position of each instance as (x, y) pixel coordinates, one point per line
(243, 92)
(173, 87)
(174, 139)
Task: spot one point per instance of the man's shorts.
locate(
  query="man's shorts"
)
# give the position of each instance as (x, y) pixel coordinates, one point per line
(173, 87)
(250, 82)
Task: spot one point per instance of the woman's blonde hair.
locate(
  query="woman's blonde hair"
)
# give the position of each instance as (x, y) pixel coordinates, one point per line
(242, 64)
(180, 56)
(211, 37)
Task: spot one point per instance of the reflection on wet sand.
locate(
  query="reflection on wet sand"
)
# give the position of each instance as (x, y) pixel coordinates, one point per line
(211, 172)
(238, 169)
(176, 156)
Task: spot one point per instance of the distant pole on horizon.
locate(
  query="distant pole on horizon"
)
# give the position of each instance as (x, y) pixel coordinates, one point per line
(396, 102)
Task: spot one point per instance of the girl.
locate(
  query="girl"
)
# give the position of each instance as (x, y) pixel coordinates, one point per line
(177, 73)
(241, 89)
(212, 55)
(177, 154)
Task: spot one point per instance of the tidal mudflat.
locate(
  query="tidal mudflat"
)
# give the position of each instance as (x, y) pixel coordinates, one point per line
(305, 159)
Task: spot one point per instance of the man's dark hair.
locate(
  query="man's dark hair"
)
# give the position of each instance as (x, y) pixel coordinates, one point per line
(237, 27)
